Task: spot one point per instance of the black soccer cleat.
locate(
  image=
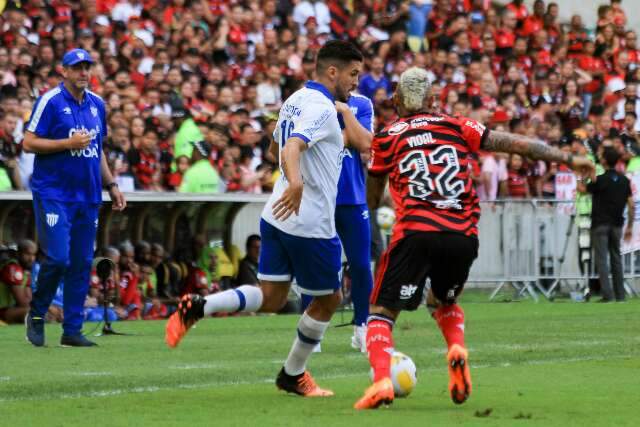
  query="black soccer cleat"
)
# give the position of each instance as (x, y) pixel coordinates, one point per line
(302, 385)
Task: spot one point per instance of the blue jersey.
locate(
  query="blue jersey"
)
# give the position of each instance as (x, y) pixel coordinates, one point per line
(351, 186)
(69, 175)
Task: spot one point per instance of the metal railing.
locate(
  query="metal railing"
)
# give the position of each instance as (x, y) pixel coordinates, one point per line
(537, 246)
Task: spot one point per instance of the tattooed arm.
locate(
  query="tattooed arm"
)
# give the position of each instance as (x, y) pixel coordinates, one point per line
(535, 149)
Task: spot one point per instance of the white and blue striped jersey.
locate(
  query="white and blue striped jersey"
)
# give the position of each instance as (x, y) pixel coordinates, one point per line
(310, 114)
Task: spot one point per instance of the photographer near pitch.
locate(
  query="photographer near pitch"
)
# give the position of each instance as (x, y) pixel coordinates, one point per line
(611, 191)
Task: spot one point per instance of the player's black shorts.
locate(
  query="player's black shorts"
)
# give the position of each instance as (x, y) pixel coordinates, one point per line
(445, 258)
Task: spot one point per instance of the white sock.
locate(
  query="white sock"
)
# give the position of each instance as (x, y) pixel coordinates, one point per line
(245, 298)
(310, 333)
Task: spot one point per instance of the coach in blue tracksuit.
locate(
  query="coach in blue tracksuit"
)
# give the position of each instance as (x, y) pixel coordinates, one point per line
(67, 127)
(352, 214)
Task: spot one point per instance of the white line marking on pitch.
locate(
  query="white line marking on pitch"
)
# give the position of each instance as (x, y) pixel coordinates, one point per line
(92, 374)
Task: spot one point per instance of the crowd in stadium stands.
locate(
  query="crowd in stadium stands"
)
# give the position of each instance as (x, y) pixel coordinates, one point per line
(176, 71)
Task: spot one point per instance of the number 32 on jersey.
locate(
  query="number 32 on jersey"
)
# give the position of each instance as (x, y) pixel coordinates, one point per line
(415, 166)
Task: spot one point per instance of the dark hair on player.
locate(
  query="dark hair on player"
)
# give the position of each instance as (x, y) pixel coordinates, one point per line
(337, 52)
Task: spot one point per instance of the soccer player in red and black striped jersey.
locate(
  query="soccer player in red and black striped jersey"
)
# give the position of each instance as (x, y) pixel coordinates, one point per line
(426, 157)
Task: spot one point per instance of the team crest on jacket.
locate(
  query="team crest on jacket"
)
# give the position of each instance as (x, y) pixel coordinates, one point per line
(398, 128)
(94, 111)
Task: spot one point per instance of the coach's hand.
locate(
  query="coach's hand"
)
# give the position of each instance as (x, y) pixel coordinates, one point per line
(289, 202)
(118, 202)
(78, 141)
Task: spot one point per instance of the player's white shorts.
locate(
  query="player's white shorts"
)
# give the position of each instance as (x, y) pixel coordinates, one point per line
(315, 263)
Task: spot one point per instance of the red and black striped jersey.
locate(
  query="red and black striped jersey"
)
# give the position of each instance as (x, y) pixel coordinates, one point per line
(428, 158)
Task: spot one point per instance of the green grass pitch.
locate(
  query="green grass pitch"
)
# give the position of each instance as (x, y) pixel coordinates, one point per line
(542, 364)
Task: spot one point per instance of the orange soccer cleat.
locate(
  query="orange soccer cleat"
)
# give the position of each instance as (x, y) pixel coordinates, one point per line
(303, 385)
(380, 392)
(190, 310)
(459, 375)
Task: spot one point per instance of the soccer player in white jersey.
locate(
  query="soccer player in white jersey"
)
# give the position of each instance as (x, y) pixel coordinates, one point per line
(297, 226)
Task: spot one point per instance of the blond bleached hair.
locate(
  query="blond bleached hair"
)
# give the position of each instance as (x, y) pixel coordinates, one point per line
(414, 87)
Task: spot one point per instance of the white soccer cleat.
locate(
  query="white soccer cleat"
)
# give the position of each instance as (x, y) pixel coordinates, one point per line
(359, 338)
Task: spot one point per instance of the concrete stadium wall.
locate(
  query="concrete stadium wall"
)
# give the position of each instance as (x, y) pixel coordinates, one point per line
(588, 10)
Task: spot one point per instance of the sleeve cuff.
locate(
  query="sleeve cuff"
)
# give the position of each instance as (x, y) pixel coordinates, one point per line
(483, 138)
(301, 136)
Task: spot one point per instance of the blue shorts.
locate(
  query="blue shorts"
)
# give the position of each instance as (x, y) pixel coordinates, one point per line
(315, 263)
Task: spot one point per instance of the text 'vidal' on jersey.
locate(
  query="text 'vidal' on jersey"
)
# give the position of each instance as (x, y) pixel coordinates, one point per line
(427, 157)
(310, 114)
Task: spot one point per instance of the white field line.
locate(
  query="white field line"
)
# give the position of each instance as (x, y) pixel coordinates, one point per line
(91, 374)
(155, 389)
(190, 366)
(5, 379)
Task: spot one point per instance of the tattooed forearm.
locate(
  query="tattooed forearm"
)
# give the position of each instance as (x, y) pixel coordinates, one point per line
(532, 148)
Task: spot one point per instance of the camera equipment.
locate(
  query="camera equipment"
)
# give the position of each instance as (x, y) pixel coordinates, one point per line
(104, 267)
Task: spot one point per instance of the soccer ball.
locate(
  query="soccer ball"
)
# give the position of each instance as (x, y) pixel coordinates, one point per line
(403, 374)
(386, 217)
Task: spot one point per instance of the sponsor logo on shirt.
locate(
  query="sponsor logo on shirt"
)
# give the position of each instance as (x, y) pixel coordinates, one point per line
(91, 151)
(94, 111)
(67, 110)
(398, 128)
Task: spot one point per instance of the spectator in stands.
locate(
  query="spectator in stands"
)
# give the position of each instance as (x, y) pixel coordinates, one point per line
(374, 79)
(201, 177)
(10, 149)
(611, 192)
(129, 294)
(166, 282)
(15, 282)
(516, 185)
(186, 130)
(145, 162)
(248, 270)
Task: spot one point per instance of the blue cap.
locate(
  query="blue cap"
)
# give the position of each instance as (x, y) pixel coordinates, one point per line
(476, 17)
(75, 56)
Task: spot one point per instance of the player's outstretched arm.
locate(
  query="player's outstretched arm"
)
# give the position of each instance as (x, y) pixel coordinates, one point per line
(291, 198)
(507, 142)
